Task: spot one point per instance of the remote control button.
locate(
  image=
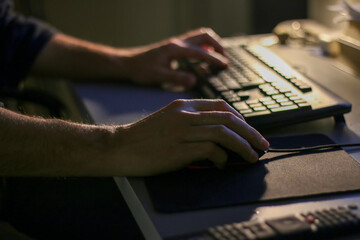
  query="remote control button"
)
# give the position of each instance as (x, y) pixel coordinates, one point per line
(353, 206)
(310, 219)
(290, 225)
(261, 230)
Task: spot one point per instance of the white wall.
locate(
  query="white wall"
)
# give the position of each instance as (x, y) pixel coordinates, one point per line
(318, 10)
(134, 22)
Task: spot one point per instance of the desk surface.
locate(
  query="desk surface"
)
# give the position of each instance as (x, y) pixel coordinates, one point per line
(124, 104)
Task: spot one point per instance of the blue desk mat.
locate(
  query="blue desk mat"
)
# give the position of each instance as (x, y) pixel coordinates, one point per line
(275, 176)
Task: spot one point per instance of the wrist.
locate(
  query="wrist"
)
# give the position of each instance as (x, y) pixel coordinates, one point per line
(126, 66)
(79, 149)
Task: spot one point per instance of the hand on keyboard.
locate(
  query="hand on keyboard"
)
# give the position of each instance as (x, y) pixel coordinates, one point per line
(152, 64)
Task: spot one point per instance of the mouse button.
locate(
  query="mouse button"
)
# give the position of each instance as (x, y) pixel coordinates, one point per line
(202, 163)
(260, 152)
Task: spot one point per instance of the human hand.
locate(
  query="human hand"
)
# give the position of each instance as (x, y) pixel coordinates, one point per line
(181, 133)
(152, 64)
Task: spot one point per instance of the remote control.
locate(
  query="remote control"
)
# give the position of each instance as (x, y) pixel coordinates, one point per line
(308, 225)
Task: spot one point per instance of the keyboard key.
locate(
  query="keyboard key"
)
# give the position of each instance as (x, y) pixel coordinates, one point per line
(291, 94)
(257, 109)
(254, 105)
(295, 98)
(353, 206)
(250, 85)
(266, 87)
(256, 114)
(278, 96)
(288, 103)
(228, 93)
(272, 92)
(243, 95)
(233, 99)
(232, 84)
(265, 99)
(246, 111)
(296, 81)
(284, 90)
(273, 106)
(240, 106)
(252, 101)
(246, 233)
(290, 225)
(269, 102)
(283, 109)
(261, 230)
(304, 105)
(282, 100)
(300, 101)
(305, 88)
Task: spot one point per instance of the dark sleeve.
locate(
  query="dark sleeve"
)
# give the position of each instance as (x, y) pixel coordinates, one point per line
(21, 40)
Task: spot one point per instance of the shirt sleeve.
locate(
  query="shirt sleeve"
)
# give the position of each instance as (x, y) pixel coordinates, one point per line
(21, 40)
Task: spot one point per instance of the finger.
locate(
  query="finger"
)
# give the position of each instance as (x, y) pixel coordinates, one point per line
(211, 105)
(179, 50)
(205, 36)
(206, 151)
(229, 120)
(177, 77)
(224, 137)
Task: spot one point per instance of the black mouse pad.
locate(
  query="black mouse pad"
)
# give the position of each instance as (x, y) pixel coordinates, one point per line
(275, 176)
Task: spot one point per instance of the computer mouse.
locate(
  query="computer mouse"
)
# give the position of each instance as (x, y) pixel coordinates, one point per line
(234, 159)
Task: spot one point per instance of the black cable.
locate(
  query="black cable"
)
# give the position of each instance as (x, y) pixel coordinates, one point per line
(319, 147)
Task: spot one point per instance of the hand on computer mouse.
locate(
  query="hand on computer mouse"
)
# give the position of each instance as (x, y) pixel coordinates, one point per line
(234, 159)
(183, 132)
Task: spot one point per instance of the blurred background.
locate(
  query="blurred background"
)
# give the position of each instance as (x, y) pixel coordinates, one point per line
(136, 22)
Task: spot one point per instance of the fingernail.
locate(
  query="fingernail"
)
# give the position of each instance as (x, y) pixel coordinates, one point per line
(225, 61)
(254, 158)
(265, 143)
(191, 80)
(220, 166)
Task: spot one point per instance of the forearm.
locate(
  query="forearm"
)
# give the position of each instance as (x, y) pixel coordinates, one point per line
(38, 147)
(65, 56)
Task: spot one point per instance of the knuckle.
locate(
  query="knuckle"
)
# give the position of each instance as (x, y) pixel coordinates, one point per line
(220, 103)
(221, 130)
(253, 133)
(178, 103)
(205, 30)
(210, 149)
(229, 117)
(182, 115)
(172, 44)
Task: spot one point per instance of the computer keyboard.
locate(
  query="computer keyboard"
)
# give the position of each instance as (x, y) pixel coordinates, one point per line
(319, 224)
(267, 91)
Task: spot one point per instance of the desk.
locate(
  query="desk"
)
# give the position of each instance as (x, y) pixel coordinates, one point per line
(123, 104)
